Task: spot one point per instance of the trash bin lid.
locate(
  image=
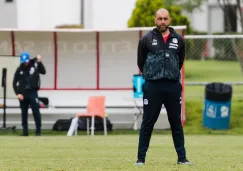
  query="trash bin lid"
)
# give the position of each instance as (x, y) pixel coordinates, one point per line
(218, 91)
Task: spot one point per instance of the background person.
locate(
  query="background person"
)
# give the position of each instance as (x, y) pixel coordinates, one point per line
(26, 84)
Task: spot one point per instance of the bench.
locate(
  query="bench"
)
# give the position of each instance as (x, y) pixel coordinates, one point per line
(124, 112)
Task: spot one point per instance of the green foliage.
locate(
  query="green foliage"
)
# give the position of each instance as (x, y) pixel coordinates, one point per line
(144, 13)
(224, 48)
(70, 26)
(195, 47)
(188, 5)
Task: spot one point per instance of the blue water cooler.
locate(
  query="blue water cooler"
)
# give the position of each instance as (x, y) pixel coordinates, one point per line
(217, 106)
(138, 83)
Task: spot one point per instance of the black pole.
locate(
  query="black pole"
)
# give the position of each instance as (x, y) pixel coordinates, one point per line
(82, 13)
(4, 78)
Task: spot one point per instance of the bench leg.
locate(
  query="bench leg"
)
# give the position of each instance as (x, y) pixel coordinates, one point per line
(105, 126)
(92, 125)
(87, 124)
(135, 120)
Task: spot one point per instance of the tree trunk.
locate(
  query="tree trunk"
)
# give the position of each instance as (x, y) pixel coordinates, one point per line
(241, 15)
(229, 28)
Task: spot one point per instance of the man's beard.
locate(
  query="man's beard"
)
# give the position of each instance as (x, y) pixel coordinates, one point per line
(25, 64)
(162, 30)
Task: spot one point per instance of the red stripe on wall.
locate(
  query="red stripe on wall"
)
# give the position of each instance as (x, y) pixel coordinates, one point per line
(69, 89)
(55, 59)
(13, 43)
(97, 61)
(120, 89)
(116, 88)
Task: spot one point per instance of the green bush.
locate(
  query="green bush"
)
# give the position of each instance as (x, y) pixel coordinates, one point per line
(143, 14)
(227, 49)
(70, 26)
(195, 47)
(224, 50)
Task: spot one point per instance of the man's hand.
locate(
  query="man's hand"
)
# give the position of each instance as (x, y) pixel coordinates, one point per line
(38, 58)
(20, 97)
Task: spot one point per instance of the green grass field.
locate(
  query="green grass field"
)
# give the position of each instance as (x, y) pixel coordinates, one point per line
(209, 71)
(118, 152)
(194, 100)
(209, 150)
(212, 71)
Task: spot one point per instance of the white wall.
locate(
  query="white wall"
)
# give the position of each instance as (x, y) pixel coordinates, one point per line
(76, 60)
(217, 20)
(112, 13)
(198, 18)
(98, 14)
(46, 14)
(8, 14)
(88, 14)
(77, 55)
(201, 21)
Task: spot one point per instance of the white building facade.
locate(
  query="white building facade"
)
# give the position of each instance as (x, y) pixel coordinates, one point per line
(95, 14)
(47, 14)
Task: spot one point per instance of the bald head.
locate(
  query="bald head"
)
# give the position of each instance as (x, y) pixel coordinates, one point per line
(162, 20)
(162, 11)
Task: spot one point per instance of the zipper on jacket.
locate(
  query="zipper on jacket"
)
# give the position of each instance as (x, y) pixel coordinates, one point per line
(165, 48)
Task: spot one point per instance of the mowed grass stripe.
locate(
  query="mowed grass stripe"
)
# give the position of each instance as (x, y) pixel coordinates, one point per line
(207, 152)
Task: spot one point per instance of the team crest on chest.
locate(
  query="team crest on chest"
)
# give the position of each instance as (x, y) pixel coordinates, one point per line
(174, 40)
(174, 44)
(154, 42)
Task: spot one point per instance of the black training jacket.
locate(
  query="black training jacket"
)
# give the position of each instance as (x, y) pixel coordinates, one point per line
(158, 60)
(27, 77)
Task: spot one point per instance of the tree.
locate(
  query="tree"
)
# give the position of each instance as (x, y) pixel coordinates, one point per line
(226, 7)
(144, 12)
(224, 4)
(187, 5)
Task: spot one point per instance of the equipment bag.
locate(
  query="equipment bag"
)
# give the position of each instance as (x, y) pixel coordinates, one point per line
(99, 126)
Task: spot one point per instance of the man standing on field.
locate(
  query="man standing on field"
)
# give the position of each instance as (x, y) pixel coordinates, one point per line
(160, 57)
